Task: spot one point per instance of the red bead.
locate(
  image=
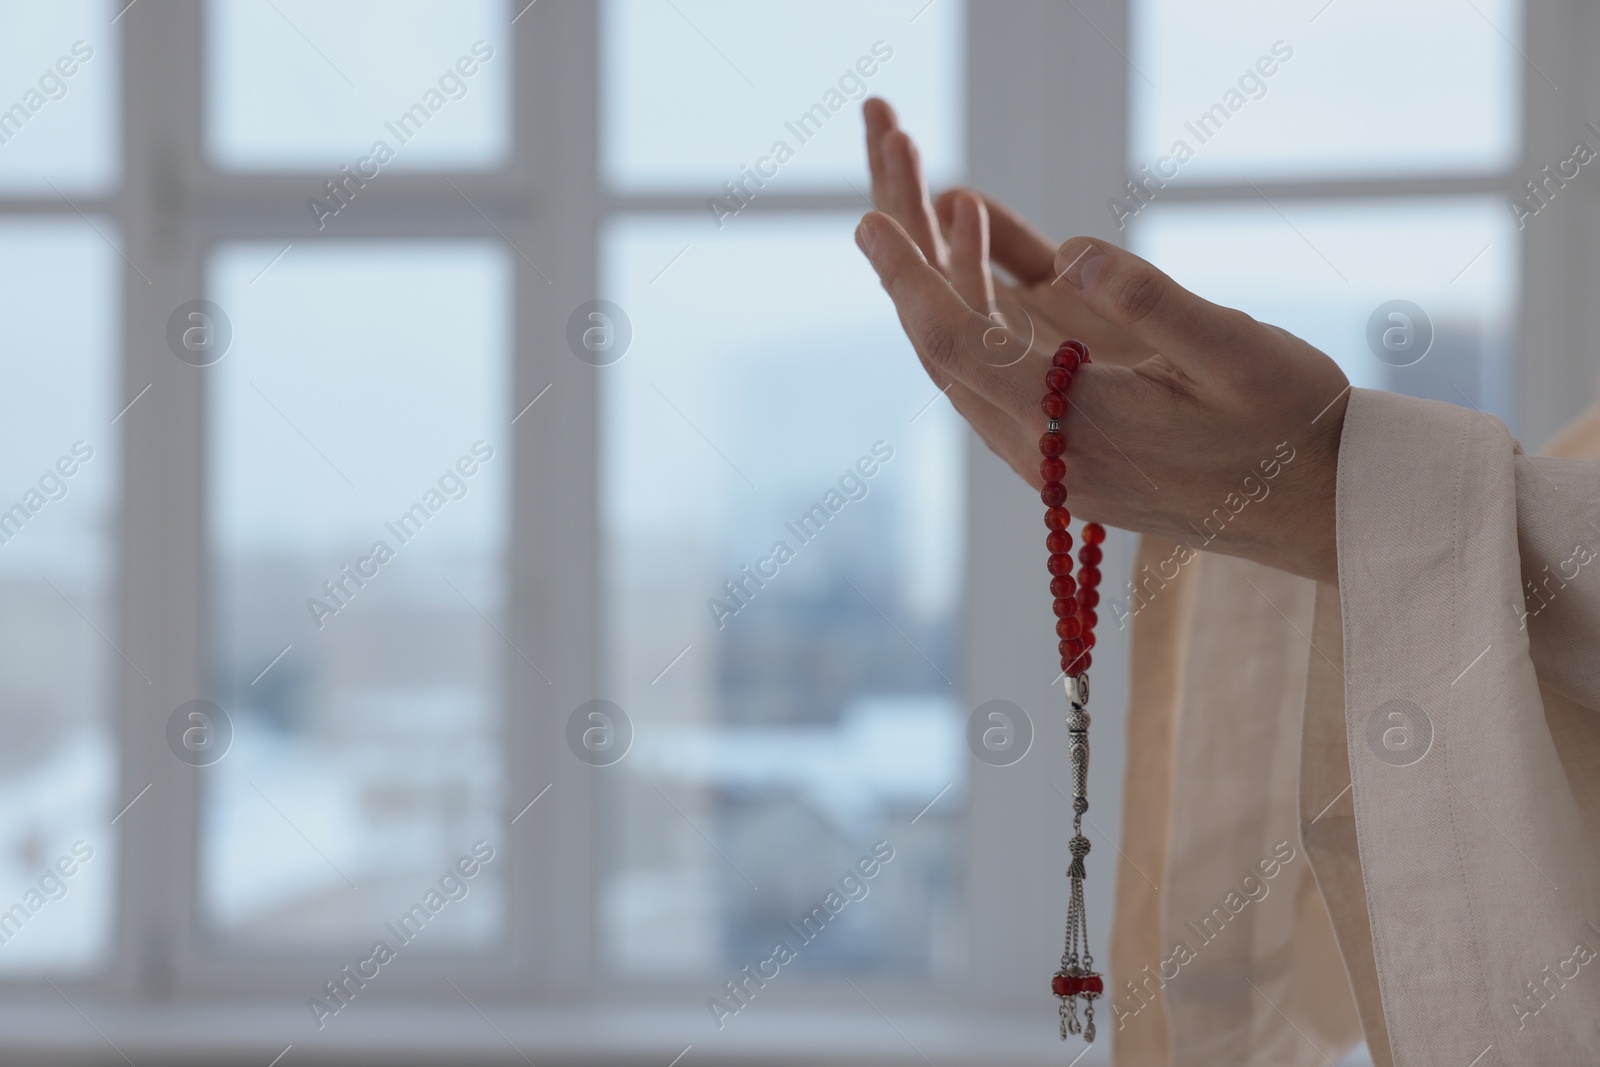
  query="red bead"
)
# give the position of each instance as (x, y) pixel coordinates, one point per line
(1076, 985)
(1074, 600)
(1070, 354)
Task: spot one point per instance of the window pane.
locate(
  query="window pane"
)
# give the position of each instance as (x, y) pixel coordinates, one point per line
(1335, 272)
(695, 91)
(59, 100)
(1448, 98)
(59, 668)
(299, 84)
(359, 479)
(783, 509)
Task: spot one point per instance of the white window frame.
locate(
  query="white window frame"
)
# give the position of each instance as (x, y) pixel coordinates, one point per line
(1065, 63)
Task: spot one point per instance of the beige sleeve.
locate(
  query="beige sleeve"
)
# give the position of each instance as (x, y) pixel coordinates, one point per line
(1478, 874)
(1558, 538)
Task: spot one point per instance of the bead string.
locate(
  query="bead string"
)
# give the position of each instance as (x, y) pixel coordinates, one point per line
(1074, 604)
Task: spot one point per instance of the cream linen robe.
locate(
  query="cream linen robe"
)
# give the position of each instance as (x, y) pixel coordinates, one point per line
(1372, 809)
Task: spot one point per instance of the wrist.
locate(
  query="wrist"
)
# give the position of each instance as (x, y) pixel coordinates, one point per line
(1307, 541)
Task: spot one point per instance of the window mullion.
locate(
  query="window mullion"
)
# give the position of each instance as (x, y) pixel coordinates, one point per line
(1041, 52)
(162, 572)
(555, 556)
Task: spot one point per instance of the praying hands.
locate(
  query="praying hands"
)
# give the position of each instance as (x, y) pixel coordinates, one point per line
(1189, 408)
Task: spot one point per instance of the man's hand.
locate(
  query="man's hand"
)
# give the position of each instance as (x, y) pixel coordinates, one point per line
(1218, 430)
(963, 227)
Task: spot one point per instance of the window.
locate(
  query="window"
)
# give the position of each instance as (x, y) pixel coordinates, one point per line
(798, 663)
(59, 128)
(793, 677)
(374, 487)
(62, 657)
(1351, 210)
(297, 86)
(462, 436)
(352, 357)
(358, 490)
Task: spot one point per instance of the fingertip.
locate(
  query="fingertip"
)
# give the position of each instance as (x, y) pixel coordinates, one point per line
(1068, 250)
(1078, 262)
(874, 227)
(867, 233)
(962, 231)
(967, 210)
(887, 226)
(967, 238)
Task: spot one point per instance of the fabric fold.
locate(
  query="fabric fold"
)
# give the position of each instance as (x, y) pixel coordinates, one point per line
(1477, 871)
(1423, 736)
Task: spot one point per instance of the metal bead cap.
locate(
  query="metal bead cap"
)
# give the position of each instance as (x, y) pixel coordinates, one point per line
(1077, 686)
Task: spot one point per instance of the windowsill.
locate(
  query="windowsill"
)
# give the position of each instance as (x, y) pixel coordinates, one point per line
(399, 1034)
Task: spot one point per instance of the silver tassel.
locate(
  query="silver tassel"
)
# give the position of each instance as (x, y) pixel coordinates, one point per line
(1077, 971)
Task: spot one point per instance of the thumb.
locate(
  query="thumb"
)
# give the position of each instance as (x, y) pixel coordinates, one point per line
(1131, 293)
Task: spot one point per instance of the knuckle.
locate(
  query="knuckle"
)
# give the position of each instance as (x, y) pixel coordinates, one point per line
(938, 342)
(1136, 294)
(890, 276)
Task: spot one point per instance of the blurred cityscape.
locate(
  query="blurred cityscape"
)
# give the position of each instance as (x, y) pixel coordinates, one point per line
(367, 688)
(57, 771)
(378, 738)
(822, 719)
